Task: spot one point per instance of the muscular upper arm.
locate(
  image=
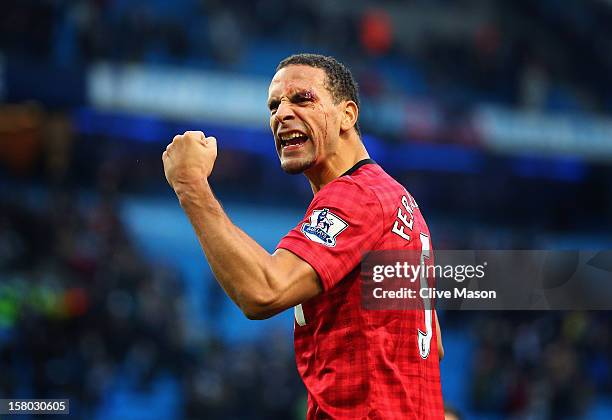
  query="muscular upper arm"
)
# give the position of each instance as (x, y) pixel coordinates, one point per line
(292, 281)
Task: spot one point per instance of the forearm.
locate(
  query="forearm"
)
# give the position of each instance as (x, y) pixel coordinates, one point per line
(241, 266)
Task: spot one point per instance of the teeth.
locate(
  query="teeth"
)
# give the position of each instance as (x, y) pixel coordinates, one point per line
(290, 136)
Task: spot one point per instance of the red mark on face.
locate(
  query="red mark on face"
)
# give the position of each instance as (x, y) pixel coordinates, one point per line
(309, 94)
(299, 94)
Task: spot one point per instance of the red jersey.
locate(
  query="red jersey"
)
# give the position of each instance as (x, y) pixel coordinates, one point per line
(358, 363)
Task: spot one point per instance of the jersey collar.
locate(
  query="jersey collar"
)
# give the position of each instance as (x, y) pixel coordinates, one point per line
(358, 165)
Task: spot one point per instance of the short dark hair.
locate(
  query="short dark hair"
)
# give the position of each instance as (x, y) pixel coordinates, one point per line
(340, 81)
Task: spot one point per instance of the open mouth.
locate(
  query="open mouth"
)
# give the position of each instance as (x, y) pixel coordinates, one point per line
(292, 140)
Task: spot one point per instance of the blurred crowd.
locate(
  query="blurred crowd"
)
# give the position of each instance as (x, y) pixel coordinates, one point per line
(79, 301)
(531, 54)
(541, 365)
(81, 312)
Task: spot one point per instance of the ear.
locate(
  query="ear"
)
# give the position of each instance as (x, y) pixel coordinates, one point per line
(349, 116)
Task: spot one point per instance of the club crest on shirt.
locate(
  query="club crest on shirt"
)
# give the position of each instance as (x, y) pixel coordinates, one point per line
(324, 227)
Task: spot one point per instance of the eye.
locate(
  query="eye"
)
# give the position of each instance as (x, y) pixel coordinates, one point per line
(301, 98)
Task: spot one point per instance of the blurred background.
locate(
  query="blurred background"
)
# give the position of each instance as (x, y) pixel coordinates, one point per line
(496, 115)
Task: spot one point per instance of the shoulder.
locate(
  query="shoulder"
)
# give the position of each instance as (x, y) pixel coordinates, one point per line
(347, 192)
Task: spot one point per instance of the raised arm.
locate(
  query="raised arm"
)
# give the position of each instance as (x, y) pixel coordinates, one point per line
(261, 284)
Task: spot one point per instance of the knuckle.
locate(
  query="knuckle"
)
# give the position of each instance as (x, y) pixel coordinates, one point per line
(194, 134)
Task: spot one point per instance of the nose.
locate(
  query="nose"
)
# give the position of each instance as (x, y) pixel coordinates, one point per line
(284, 112)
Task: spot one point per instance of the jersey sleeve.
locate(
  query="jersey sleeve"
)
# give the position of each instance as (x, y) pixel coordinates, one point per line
(342, 222)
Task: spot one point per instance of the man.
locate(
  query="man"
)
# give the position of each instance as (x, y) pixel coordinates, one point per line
(355, 363)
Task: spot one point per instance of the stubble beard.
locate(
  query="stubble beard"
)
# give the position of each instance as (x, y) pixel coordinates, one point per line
(297, 165)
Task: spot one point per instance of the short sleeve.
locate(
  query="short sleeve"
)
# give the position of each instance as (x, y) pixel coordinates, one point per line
(343, 221)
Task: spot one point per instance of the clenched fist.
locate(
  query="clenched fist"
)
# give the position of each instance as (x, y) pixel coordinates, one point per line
(189, 158)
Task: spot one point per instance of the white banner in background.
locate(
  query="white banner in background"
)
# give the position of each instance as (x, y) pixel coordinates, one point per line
(523, 132)
(179, 93)
(192, 95)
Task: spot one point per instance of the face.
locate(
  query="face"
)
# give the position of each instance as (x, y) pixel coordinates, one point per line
(303, 117)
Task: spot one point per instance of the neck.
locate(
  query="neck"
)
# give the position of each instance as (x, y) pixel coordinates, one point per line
(344, 158)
